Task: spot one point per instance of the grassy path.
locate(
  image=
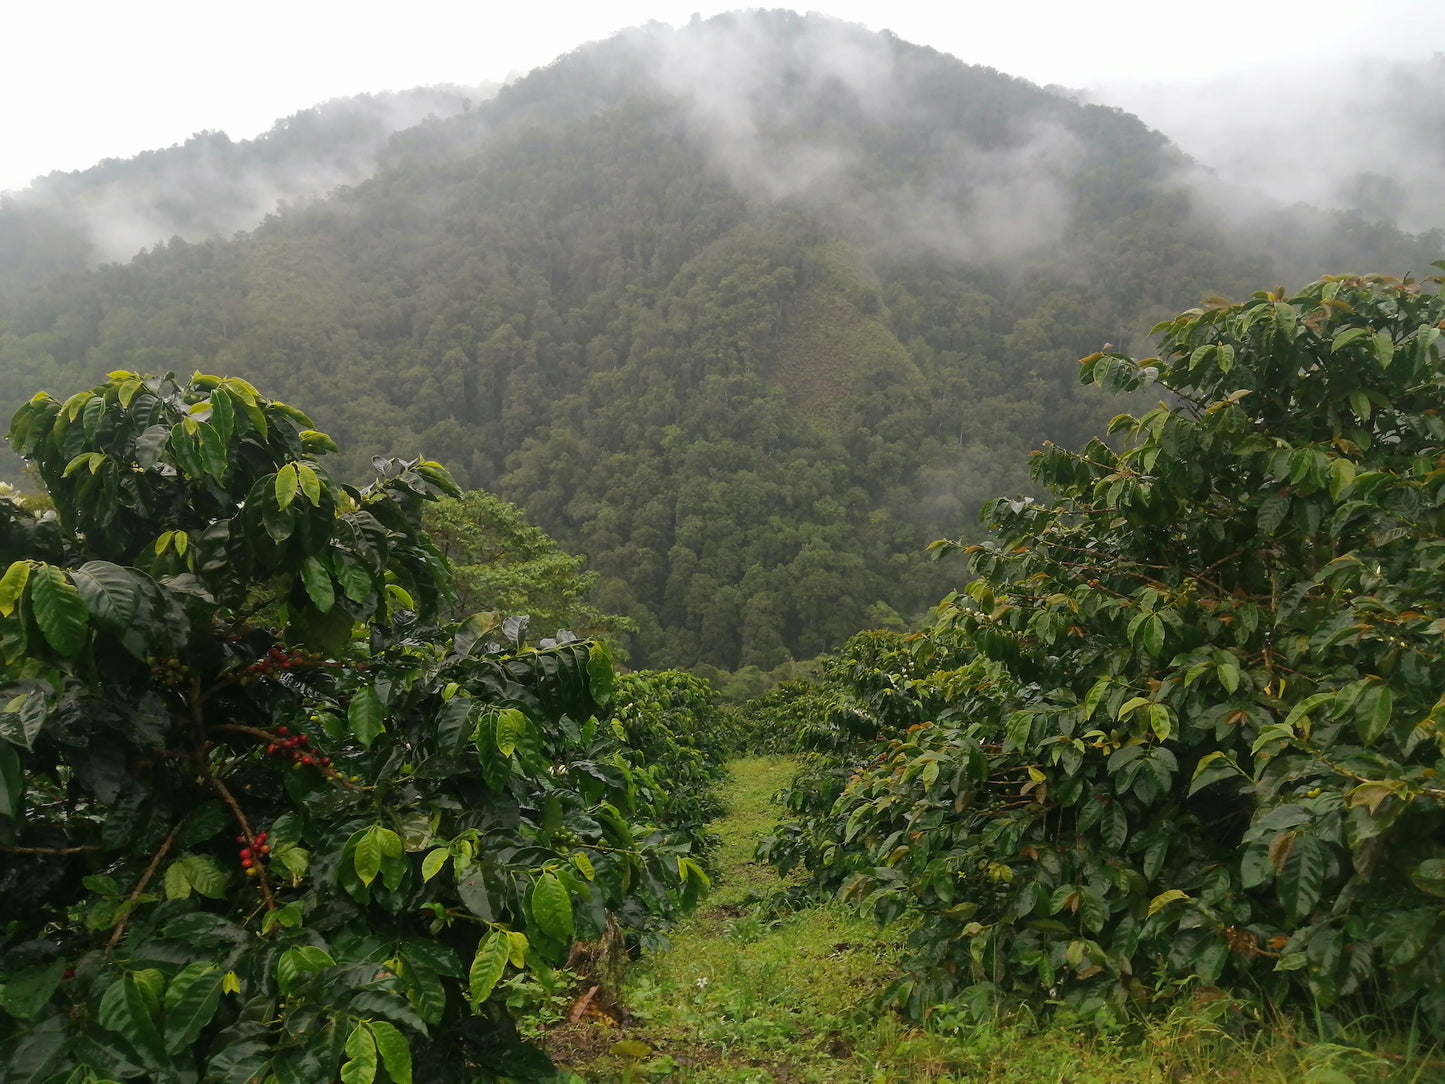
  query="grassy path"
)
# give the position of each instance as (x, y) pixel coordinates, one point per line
(741, 996)
(747, 996)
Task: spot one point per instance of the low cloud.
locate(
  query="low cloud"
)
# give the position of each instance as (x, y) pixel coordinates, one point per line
(1363, 135)
(991, 204)
(748, 88)
(756, 88)
(212, 187)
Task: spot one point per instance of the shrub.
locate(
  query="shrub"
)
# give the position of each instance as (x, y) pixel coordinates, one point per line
(1183, 728)
(260, 818)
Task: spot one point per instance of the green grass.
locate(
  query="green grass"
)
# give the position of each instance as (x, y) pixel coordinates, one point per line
(747, 997)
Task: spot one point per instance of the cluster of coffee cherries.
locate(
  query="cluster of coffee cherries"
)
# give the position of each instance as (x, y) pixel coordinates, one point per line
(168, 671)
(253, 855)
(278, 658)
(297, 749)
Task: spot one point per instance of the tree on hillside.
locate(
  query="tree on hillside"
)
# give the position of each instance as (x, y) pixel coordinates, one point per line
(260, 817)
(502, 563)
(1185, 723)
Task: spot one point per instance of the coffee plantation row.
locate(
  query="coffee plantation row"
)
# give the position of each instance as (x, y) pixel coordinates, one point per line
(266, 814)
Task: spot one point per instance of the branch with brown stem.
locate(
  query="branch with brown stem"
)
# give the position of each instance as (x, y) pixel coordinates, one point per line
(141, 885)
(262, 881)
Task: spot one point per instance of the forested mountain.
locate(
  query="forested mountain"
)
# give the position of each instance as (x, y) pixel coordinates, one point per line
(747, 312)
(209, 186)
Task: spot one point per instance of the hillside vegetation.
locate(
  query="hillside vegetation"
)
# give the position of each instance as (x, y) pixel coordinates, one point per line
(1182, 729)
(748, 312)
(209, 186)
(1167, 770)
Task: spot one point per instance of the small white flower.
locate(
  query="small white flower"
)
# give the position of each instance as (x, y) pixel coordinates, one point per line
(702, 982)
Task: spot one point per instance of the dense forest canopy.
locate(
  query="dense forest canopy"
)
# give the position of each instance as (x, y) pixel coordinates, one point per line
(748, 312)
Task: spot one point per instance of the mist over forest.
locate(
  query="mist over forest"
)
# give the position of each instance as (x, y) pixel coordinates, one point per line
(209, 186)
(1384, 163)
(747, 312)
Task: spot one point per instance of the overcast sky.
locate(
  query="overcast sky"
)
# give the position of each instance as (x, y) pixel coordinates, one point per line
(86, 80)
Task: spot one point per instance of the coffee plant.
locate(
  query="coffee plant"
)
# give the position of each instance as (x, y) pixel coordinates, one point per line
(863, 693)
(1182, 729)
(261, 819)
(683, 737)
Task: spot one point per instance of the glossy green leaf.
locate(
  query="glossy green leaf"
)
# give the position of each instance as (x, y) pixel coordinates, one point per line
(360, 1066)
(1342, 478)
(26, 992)
(139, 1017)
(394, 1049)
(393, 858)
(552, 907)
(316, 443)
(366, 855)
(111, 593)
(1160, 721)
(1095, 696)
(600, 672)
(12, 586)
(1018, 730)
(1302, 876)
(127, 392)
(1406, 934)
(355, 580)
(288, 484)
(35, 1058)
(280, 523)
(223, 414)
(1429, 877)
(299, 961)
(1154, 635)
(399, 596)
(424, 991)
(1344, 338)
(511, 726)
(59, 610)
(212, 451)
(1214, 767)
(185, 451)
(318, 584)
(365, 716)
(1091, 909)
(1133, 704)
(22, 719)
(1384, 348)
(309, 483)
(85, 460)
(1373, 711)
(1228, 673)
(433, 863)
(517, 948)
(91, 415)
(177, 884)
(149, 446)
(1114, 826)
(113, 1014)
(191, 1001)
(1164, 899)
(203, 875)
(488, 966)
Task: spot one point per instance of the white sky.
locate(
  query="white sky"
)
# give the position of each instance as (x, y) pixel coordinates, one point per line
(88, 79)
